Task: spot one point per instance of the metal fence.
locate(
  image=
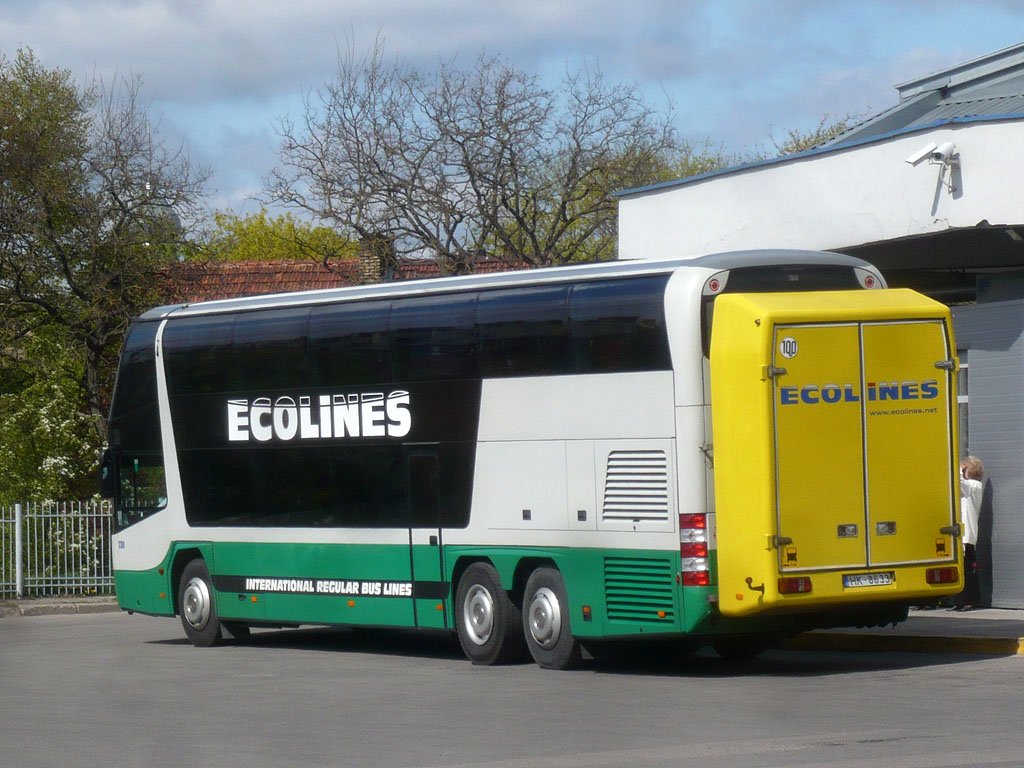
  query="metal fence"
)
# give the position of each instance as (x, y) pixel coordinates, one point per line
(55, 548)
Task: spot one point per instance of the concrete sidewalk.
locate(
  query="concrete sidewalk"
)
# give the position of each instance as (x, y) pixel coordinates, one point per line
(48, 606)
(992, 631)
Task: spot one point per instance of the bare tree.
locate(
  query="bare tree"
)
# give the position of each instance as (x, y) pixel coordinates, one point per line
(461, 165)
(91, 211)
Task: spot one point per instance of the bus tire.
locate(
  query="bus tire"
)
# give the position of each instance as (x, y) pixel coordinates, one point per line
(546, 623)
(485, 618)
(195, 602)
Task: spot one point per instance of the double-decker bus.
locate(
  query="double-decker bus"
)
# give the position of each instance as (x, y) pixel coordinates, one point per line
(714, 450)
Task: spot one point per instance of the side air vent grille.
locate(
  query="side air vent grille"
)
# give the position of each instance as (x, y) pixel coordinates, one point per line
(636, 487)
(639, 590)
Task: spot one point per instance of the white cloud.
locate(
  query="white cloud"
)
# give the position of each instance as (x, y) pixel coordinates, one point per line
(222, 70)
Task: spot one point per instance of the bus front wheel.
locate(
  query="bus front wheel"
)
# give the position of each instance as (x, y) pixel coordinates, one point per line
(546, 621)
(485, 618)
(195, 602)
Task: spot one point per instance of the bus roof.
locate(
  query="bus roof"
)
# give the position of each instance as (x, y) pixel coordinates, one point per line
(727, 260)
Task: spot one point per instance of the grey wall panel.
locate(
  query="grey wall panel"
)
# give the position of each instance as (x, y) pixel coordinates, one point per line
(994, 336)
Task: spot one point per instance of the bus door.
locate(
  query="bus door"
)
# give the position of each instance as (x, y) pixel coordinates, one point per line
(909, 443)
(863, 444)
(426, 552)
(819, 446)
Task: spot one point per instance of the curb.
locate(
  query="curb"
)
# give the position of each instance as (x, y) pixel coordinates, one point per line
(836, 641)
(56, 607)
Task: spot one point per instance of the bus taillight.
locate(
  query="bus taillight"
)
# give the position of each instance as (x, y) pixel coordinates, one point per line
(693, 550)
(696, 579)
(794, 585)
(942, 575)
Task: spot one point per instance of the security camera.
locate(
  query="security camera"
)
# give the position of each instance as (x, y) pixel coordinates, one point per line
(944, 153)
(921, 154)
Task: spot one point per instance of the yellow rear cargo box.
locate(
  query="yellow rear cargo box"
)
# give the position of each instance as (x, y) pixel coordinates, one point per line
(834, 426)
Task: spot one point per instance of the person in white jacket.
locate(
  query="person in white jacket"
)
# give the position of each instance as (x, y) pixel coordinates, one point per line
(971, 491)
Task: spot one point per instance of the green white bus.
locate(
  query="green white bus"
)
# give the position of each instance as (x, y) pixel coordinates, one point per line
(522, 458)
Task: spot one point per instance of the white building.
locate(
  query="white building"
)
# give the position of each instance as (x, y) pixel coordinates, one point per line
(932, 192)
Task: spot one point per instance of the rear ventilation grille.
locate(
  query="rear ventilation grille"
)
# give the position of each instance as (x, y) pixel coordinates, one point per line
(636, 487)
(639, 590)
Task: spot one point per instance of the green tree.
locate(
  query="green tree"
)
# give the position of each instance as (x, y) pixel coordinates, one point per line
(258, 237)
(47, 443)
(797, 141)
(92, 206)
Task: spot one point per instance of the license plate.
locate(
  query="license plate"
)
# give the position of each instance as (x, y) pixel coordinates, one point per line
(868, 579)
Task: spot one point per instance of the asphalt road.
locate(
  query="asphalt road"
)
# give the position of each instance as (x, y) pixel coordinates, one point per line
(114, 690)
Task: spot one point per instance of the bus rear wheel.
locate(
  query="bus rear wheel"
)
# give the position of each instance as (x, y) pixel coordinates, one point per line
(485, 618)
(195, 602)
(546, 621)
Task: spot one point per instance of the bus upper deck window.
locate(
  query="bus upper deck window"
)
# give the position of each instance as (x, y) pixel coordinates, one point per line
(779, 278)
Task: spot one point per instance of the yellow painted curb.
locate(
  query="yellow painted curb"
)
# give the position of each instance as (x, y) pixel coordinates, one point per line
(835, 641)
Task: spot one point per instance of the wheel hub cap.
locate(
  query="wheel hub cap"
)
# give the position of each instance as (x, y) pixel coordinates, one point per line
(195, 603)
(545, 618)
(478, 614)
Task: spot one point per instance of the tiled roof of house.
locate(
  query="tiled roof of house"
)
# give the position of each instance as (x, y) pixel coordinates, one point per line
(211, 280)
(208, 281)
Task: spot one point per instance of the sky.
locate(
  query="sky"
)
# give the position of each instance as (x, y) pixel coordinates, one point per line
(219, 74)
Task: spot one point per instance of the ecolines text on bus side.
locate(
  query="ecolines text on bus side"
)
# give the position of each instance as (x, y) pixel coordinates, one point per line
(813, 394)
(366, 414)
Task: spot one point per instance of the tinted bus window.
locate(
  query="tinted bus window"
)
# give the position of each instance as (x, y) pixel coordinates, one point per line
(350, 343)
(778, 278)
(270, 349)
(525, 332)
(434, 337)
(619, 325)
(134, 418)
(291, 487)
(198, 354)
(373, 481)
(140, 488)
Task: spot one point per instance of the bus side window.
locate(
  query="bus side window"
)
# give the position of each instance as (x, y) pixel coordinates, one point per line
(707, 309)
(141, 486)
(198, 354)
(350, 343)
(525, 332)
(434, 338)
(619, 325)
(270, 349)
(134, 461)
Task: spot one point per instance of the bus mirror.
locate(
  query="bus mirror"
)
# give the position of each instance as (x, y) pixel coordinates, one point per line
(108, 486)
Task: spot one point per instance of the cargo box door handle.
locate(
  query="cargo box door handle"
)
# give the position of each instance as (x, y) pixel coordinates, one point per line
(951, 530)
(946, 365)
